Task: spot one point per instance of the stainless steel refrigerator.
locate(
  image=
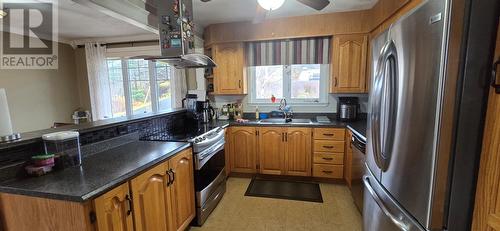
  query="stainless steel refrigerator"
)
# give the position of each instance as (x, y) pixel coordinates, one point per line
(404, 184)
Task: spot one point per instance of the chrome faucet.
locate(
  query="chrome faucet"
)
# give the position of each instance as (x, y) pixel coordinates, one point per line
(286, 113)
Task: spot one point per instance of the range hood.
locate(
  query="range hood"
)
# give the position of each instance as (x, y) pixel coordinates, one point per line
(175, 26)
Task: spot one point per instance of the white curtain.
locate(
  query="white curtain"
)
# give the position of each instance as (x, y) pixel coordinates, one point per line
(178, 86)
(99, 87)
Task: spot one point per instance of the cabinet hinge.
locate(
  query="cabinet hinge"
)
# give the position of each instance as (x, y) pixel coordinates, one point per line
(93, 217)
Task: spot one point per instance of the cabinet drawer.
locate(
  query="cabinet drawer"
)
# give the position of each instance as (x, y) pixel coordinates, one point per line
(329, 134)
(328, 146)
(328, 158)
(328, 171)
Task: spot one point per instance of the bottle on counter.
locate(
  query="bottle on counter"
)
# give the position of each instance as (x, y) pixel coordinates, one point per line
(257, 113)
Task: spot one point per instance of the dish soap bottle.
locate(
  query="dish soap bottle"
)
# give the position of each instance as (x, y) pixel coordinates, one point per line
(257, 112)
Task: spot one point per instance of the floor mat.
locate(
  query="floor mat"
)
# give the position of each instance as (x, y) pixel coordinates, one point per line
(282, 189)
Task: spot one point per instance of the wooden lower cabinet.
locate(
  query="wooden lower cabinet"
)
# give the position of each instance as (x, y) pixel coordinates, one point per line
(284, 151)
(328, 171)
(152, 200)
(298, 152)
(271, 150)
(182, 190)
(329, 152)
(26, 213)
(113, 210)
(242, 149)
(162, 199)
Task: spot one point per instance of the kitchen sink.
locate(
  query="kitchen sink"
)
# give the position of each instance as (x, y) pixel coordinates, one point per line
(283, 121)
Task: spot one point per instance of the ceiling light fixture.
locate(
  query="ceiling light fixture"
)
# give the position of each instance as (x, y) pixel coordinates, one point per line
(270, 4)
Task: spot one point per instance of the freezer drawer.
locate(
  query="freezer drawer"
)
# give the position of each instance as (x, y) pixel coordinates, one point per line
(383, 213)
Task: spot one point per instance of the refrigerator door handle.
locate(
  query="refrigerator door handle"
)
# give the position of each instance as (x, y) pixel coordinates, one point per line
(381, 205)
(378, 86)
(383, 107)
(390, 111)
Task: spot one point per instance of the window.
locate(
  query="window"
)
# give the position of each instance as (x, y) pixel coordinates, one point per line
(296, 70)
(116, 87)
(297, 83)
(138, 86)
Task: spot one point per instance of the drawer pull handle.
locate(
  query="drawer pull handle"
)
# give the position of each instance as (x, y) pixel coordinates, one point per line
(327, 146)
(327, 134)
(327, 158)
(327, 172)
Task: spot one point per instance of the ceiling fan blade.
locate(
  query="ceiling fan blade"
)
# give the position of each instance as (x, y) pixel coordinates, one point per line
(260, 15)
(315, 4)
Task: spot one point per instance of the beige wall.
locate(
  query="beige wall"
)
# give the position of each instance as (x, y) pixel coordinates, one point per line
(38, 98)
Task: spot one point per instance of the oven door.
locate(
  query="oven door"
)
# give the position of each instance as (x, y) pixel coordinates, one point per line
(209, 175)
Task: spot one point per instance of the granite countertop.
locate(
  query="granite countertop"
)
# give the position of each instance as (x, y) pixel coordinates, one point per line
(314, 123)
(358, 127)
(98, 174)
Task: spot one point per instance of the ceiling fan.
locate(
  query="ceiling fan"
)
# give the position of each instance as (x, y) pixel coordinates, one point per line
(266, 6)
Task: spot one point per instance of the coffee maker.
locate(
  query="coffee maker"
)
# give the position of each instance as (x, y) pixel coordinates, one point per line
(207, 112)
(347, 109)
(191, 103)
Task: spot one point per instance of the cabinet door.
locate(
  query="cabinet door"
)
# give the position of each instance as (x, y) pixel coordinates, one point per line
(229, 74)
(243, 149)
(151, 200)
(113, 210)
(298, 151)
(182, 189)
(349, 64)
(271, 150)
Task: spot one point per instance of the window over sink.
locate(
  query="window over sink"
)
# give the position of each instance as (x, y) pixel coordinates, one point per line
(296, 70)
(297, 83)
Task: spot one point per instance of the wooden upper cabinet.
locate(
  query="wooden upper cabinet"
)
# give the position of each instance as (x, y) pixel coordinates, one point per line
(243, 146)
(230, 74)
(349, 64)
(113, 210)
(182, 189)
(298, 151)
(151, 200)
(271, 150)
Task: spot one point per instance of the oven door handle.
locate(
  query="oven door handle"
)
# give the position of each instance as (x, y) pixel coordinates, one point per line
(203, 157)
(213, 150)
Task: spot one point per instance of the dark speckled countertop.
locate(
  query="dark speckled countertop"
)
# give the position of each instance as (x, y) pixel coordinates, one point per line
(99, 172)
(357, 127)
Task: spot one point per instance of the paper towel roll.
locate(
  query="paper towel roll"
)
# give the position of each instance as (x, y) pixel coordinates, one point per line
(5, 124)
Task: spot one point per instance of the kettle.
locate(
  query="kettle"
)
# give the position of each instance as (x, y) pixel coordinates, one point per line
(207, 113)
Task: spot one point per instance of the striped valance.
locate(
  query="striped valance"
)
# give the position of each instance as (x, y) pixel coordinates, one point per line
(293, 51)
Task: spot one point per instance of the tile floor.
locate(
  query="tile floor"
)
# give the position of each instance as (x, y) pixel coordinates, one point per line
(238, 212)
